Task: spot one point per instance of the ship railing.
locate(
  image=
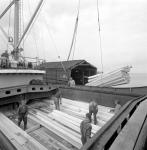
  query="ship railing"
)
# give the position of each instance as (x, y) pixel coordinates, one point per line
(11, 94)
(104, 138)
(7, 64)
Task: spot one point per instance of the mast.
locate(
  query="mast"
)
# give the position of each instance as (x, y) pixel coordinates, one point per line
(17, 37)
(16, 28)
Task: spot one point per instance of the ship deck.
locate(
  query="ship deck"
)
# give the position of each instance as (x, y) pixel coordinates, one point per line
(58, 130)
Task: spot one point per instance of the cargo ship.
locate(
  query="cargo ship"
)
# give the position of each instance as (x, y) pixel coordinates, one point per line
(50, 129)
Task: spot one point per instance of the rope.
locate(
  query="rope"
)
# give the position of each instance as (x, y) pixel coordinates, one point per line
(75, 39)
(100, 41)
(75, 33)
(99, 30)
(22, 23)
(74, 47)
(20, 11)
(9, 26)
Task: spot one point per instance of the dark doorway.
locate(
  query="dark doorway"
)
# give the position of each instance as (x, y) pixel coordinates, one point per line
(81, 73)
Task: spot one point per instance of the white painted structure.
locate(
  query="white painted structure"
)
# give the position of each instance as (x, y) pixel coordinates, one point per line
(15, 77)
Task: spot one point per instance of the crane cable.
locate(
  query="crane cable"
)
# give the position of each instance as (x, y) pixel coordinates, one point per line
(100, 42)
(74, 46)
(99, 31)
(22, 27)
(22, 22)
(75, 33)
(9, 26)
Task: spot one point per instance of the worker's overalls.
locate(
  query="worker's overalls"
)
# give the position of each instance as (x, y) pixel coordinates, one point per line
(93, 109)
(85, 128)
(117, 108)
(22, 115)
(59, 96)
(56, 102)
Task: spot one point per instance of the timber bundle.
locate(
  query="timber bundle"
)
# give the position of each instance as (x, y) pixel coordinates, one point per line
(114, 78)
(66, 122)
(52, 129)
(19, 138)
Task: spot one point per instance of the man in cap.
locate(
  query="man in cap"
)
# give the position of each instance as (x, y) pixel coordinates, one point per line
(93, 109)
(57, 99)
(85, 128)
(71, 82)
(117, 107)
(22, 113)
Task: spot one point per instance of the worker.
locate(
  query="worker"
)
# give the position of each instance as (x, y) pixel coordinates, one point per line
(56, 102)
(59, 95)
(22, 113)
(93, 109)
(116, 108)
(85, 128)
(71, 82)
(57, 99)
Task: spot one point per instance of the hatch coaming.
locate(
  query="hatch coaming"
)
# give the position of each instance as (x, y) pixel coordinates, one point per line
(59, 128)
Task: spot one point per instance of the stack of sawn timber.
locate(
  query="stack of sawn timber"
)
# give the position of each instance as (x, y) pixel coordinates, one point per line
(44, 136)
(114, 78)
(69, 121)
(66, 123)
(79, 109)
(19, 138)
(57, 128)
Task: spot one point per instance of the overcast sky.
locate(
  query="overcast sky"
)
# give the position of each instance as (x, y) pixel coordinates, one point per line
(123, 32)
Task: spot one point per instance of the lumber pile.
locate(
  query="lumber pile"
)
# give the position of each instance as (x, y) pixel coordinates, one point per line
(59, 129)
(47, 140)
(66, 122)
(70, 121)
(62, 124)
(85, 105)
(82, 116)
(37, 104)
(114, 78)
(19, 138)
(79, 109)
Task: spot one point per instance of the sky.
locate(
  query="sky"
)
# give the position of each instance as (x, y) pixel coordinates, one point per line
(123, 32)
